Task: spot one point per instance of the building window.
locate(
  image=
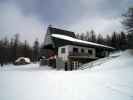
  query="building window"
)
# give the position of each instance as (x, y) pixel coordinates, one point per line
(63, 50)
(75, 50)
(82, 50)
(90, 51)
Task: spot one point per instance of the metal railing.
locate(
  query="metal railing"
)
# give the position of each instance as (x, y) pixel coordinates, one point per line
(75, 54)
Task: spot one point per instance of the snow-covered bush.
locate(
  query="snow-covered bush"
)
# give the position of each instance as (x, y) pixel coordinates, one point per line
(22, 60)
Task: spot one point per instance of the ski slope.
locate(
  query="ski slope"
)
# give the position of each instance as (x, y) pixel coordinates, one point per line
(111, 80)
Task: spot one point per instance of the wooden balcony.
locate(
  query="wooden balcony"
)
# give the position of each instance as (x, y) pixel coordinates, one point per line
(81, 55)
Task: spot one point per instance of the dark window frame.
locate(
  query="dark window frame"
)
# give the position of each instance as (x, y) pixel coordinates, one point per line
(75, 50)
(63, 50)
(90, 51)
(82, 50)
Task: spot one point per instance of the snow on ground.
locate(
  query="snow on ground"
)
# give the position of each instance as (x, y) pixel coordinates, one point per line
(111, 80)
(28, 67)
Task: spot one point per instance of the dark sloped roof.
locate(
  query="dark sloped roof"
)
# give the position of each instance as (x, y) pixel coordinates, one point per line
(60, 31)
(58, 37)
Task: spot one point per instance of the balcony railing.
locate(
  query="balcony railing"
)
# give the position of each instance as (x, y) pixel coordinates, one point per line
(81, 55)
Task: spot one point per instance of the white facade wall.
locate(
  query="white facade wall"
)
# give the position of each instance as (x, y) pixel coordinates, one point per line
(64, 56)
(69, 48)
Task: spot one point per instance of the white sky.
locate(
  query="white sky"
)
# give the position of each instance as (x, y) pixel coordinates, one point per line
(30, 19)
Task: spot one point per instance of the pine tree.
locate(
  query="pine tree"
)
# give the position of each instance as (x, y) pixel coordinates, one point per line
(100, 39)
(15, 47)
(87, 36)
(1, 53)
(82, 36)
(108, 40)
(128, 23)
(123, 41)
(115, 41)
(92, 36)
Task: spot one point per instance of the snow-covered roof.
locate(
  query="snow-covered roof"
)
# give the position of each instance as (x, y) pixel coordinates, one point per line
(24, 58)
(68, 38)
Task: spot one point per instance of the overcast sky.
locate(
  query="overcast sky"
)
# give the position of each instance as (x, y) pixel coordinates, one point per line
(30, 18)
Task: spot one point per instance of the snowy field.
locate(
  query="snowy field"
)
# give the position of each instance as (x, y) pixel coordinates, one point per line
(110, 80)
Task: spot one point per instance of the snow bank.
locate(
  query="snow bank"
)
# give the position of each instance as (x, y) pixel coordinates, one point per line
(124, 60)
